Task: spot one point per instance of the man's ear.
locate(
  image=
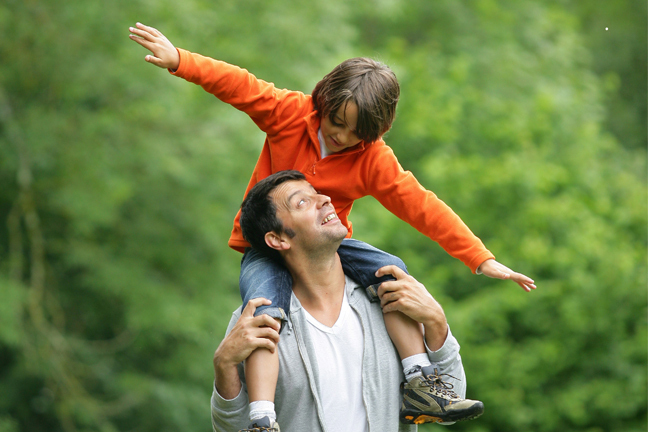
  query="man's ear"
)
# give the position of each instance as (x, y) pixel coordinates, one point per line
(276, 241)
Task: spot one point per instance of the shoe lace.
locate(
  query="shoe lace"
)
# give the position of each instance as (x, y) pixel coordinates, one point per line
(261, 429)
(443, 387)
(257, 428)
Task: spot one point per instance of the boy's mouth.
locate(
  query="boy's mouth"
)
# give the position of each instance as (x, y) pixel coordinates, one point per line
(335, 143)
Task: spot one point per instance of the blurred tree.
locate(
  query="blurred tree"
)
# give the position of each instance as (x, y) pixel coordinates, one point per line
(120, 184)
(502, 115)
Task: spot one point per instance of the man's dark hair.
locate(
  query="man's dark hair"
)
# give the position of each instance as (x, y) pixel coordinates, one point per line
(259, 214)
(371, 85)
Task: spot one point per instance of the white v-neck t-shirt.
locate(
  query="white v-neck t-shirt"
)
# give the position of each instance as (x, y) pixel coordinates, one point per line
(338, 351)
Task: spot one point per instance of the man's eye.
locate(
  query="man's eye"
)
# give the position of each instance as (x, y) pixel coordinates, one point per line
(301, 201)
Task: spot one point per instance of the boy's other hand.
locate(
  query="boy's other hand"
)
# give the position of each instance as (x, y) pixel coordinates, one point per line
(164, 55)
(492, 268)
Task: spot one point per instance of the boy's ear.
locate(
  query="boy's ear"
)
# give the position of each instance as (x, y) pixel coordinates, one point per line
(276, 241)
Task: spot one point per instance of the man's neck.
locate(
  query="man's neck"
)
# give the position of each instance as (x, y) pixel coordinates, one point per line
(318, 283)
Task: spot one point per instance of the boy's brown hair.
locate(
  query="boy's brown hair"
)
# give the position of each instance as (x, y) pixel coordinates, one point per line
(371, 85)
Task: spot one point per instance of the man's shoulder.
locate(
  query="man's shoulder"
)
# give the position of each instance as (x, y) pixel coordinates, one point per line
(235, 316)
(350, 285)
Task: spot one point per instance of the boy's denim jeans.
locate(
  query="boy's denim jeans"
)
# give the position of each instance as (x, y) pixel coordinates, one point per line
(262, 277)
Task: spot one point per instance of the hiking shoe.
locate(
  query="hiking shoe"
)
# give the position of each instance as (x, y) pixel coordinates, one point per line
(262, 425)
(429, 399)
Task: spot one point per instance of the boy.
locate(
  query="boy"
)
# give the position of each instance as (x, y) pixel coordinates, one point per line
(334, 138)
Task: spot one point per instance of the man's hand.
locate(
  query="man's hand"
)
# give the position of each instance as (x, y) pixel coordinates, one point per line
(493, 269)
(248, 334)
(410, 297)
(164, 55)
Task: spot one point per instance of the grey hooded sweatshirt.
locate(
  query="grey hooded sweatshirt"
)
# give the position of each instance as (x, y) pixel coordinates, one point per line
(297, 401)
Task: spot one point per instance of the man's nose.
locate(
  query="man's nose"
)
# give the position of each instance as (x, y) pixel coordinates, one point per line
(324, 200)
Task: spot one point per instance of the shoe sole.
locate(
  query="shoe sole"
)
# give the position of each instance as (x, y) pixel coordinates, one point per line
(412, 417)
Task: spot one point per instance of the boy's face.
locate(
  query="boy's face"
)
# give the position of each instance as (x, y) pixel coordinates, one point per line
(340, 134)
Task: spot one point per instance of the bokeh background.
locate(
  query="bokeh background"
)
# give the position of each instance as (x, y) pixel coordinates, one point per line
(119, 183)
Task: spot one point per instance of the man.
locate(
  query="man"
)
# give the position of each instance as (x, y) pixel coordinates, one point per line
(338, 366)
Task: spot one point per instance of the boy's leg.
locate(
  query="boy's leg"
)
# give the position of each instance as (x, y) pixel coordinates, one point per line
(261, 375)
(406, 334)
(360, 262)
(262, 277)
(426, 398)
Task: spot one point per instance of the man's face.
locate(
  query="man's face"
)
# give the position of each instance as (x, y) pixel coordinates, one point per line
(307, 214)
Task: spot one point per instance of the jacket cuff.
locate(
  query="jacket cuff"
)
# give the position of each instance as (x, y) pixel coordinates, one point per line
(229, 405)
(183, 62)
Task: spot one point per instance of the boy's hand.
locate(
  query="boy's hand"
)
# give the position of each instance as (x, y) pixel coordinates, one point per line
(492, 268)
(164, 55)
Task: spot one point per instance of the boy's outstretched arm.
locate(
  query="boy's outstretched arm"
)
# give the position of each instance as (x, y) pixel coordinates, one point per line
(492, 268)
(164, 55)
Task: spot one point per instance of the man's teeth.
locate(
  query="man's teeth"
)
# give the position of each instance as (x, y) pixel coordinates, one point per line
(328, 218)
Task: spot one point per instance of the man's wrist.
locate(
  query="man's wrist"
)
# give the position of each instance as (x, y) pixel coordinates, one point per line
(435, 336)
(226, 378)
(436, 328)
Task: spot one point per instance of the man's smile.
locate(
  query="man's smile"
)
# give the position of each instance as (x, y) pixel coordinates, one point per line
(329, 218)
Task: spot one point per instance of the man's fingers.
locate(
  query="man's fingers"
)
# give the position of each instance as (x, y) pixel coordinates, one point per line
(390, 307)
(265, 320)
(386, 298)
(253, 304)
(393, 270)
(268, 333)
(386, 287)
(268, 344)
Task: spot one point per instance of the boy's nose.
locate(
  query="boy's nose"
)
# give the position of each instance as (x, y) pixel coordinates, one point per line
(345, 137)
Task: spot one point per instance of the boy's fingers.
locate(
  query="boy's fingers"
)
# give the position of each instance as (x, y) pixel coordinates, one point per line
(153, 60)
(146, 44)
(146, 28)
(142, 35)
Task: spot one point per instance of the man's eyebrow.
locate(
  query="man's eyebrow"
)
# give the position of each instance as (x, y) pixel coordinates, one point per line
(290, 197)
(299, 191)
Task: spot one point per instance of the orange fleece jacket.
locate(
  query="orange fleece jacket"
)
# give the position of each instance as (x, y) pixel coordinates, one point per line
(291, 124)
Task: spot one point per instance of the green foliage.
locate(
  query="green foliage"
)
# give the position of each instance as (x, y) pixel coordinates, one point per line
(120, 183)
